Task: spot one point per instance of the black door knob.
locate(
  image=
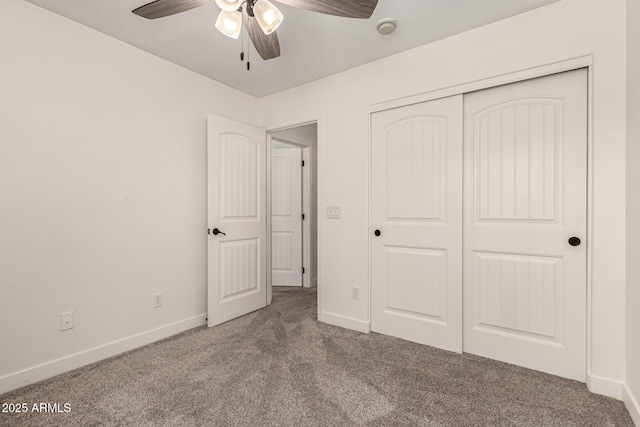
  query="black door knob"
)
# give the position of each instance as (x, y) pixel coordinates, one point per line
(574, 241)
(216, 232)
(377, 233)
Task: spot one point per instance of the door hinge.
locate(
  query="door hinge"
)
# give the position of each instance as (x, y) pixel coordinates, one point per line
(303, 217)
(302, 270)
(302, 163)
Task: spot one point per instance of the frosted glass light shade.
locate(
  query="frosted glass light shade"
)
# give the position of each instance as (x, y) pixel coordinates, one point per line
(229, 23)
(229, 5)
(268, 16)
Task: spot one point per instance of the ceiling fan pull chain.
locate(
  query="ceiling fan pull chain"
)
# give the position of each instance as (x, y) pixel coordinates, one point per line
(248, 57)
(242, 46)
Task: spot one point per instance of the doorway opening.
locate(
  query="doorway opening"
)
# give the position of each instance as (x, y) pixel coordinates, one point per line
(239, 216)
(293, 207)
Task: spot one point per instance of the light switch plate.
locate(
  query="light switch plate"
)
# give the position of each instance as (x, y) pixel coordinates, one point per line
(157, 300)
(333, 212)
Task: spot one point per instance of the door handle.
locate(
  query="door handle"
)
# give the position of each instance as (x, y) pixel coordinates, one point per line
(216, 232)
(574, 241)
(377, 233)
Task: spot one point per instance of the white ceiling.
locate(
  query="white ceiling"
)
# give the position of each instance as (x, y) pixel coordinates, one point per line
(312, 45)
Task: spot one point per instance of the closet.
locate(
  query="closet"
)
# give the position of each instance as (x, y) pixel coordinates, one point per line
(479, 221)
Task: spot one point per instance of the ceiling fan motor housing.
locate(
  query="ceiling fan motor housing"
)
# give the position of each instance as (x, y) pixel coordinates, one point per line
(261, 29)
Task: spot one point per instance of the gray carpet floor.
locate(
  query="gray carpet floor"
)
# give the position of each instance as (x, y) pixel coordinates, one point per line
(280, 367)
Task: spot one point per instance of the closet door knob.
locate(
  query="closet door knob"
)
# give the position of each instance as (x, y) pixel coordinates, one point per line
(377, 233)
(574, 241)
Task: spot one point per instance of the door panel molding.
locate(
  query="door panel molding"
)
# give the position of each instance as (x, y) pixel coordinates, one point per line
(236, 193)
(416, 203)
(525, 287)
(551, 217)
(286, 217)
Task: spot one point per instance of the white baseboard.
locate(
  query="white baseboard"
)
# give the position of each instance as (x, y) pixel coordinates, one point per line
(632, 404)
(344, 322)
(604, 386)
(92, 355)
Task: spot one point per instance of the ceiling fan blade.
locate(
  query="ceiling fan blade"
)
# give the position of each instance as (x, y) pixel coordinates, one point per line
(350, 9)
(267, 46)
(162, 8)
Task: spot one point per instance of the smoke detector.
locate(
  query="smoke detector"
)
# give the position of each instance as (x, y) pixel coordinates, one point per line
(386, 26)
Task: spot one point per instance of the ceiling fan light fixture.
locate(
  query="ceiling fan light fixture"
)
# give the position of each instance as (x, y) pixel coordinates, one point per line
(268, 16)
(229, 5)
(229, 23)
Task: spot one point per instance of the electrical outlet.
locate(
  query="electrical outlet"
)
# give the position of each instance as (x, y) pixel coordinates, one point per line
(157, 300)
(66, 320)
(355, 292)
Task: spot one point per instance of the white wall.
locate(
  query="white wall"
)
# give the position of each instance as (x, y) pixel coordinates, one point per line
(102, 192)
(632, 397)
(561, 31)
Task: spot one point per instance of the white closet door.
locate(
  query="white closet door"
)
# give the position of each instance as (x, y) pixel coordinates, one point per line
(237, 219)
(416, 205)
(286, 216)
(525, 198)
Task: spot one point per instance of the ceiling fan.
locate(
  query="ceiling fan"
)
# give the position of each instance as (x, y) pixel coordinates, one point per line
(260, 17)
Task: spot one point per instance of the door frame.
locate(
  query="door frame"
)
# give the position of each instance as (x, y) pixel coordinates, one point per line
(585, 62)
(307, 174)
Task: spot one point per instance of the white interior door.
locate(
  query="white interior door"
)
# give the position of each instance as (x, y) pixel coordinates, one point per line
(525, 197)
(416, 205)
(237, 209)
(286, 216)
